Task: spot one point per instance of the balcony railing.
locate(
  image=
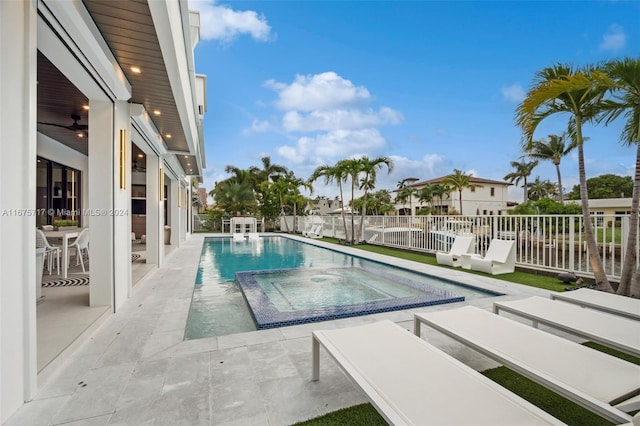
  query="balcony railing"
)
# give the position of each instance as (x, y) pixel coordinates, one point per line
(544, 242)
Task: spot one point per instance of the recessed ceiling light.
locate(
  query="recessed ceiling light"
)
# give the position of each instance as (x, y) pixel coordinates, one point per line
(156, 112)
(140, 155)
(186, 156)
(188, 164)
(136, 70)
(81, 135)
(85, 107)
(168, 135)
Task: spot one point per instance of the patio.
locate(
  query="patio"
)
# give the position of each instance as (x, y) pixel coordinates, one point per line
(135, 368)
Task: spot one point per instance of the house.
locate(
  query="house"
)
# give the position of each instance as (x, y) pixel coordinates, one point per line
(101, 123)
(607, 209)
(489, 197)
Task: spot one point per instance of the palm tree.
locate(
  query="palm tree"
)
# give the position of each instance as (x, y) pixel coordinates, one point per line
(623, 82)
(563, 89)
(458, 181)
(522, 172)
(235, 198)
(552, 150)
(407, 193)
(350, 168)
(425, 195)
(369, 168)
(539, 189)
(440, 191)
(270, 172)
(331, 174)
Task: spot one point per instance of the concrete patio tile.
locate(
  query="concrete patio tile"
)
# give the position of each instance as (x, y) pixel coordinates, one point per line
(270, 361)
(236, 400)
(93, 421)
(187, 347)
(288, 401)
(37, 412)
(145, 385)
(160, 342)
(98, 394)
(258, 420)
(184, 404)
(76, 369)
(172, 321)
(134, 415)
(249, 338)
(231, 365)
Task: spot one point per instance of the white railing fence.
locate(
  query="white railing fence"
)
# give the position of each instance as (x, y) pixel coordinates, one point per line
(546, 242)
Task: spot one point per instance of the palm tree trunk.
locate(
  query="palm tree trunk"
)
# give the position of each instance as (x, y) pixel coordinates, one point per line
(560, 192)
(353, 193)
(602, 283)
(635, 285)
(344, 220)
(525, 197)
(460, 194)
(629, 261)
(362, 215)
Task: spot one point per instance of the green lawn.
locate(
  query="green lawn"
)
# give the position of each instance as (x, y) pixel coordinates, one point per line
(549, 401)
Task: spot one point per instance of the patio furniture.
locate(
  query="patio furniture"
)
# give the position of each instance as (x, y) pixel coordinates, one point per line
(590, 378)
(49, 250)
(500, 258)
(238, 236)
(81, 243)
(314, 232)
(253, 236)
(461, 245)
(65, 236)
(607, 302)
(610, 330)
(409, 381)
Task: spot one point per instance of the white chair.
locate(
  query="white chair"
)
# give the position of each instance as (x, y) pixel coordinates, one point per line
(590, 378)
(410, 381)
(461, 245)
(49, 252)
(499, 259)
(610, 330)
(253, 236)
(81, 243)
(599, 300)
(238, 236)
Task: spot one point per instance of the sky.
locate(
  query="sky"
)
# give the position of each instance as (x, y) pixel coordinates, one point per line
(433, 85)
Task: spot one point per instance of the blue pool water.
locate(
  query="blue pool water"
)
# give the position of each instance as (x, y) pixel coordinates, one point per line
(219, 308)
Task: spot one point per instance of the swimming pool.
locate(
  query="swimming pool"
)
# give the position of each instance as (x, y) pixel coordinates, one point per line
(219, 308)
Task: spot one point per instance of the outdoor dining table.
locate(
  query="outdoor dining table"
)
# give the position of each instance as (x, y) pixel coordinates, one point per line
(65, 236)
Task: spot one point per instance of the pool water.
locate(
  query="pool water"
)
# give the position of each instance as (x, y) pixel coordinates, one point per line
(219, 308)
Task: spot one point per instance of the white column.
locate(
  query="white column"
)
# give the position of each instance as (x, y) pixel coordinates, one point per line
(18, 68)
(155, 215)
(122, 204)
(174, 212)
(184, 212)
(101, 202)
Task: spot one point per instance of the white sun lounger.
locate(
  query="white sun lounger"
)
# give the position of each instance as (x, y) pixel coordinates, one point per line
(500, 258)
(590, 378)
(608, 302)
(411, 382)
(461, 245)
(238, 236)
(610, 330)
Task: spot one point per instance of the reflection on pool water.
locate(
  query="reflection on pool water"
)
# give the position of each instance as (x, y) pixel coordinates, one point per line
(219, 308)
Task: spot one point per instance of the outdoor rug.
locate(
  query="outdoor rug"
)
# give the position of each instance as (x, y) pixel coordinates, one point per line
(65, 282)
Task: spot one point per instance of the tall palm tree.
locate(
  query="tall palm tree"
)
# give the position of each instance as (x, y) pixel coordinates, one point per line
(350, 168)
(235, 198)
(270, 172)
(458, 181)
(539, 189)
(369, 168)
(522, 172)
(330, 174)
(407, 193)
(425, 195)
(440, 191)
(552, 150)
(623, 82)
(563, 89)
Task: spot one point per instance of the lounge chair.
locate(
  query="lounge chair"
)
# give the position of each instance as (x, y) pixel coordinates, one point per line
(499, 259)
(314, 232)
(592, 379)
(409, 381)
(253, 236)
(610, 330)
(461, 245)
(612, 303)
(238, 236)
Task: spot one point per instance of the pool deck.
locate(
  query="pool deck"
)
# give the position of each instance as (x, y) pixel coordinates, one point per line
(135, 369)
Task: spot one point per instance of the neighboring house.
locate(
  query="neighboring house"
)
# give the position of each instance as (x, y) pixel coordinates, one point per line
(490, 197)
(324, 207)
(603, 207)
(202, 196)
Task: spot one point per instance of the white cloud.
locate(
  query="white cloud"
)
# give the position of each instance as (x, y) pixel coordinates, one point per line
(257, 126)
(225, 24)
(514, 93)
(329, 147)
(614, 39)
(322, 91)
(293, 121)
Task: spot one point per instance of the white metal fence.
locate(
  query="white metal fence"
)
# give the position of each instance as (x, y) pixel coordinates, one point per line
(548, 242)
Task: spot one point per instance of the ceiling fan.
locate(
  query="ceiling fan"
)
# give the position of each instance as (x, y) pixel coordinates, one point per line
(75, 127)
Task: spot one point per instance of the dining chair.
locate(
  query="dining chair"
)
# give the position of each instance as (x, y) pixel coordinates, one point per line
(81, 243)
(49, 252)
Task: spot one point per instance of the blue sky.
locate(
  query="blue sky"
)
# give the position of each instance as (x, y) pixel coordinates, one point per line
(432, 85)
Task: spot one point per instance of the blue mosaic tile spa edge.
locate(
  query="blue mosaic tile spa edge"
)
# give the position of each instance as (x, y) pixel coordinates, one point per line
(266, 315)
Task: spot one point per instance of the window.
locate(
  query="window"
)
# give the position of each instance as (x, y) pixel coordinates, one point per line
(493, 191)
(58, 193)
(473, 189)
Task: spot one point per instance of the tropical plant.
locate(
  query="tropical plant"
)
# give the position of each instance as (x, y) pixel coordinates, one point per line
(522, 172)
(407, 193)
(440, 191)
(235, 198)
(563, 89)
(425, 195)
(457, 181)
(539, 189)
(605, 186)
(369, 168)
(553, 149)
(330, 174)
(623, 82)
